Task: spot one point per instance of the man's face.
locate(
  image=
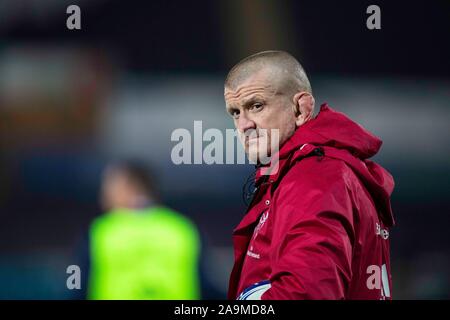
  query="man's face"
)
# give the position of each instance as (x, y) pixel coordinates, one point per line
(114, 189)
(257, 103)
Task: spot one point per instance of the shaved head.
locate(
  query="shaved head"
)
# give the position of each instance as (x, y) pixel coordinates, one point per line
(288, 75)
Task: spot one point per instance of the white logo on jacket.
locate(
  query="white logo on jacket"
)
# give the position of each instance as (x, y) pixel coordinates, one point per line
(384, 233)
(262, 220)
(261, 223)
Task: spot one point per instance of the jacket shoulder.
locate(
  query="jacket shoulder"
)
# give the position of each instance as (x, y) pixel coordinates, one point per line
(315, 184)
(320, 174)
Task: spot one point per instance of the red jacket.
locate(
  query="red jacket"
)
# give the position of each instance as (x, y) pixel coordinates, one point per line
(319, 227)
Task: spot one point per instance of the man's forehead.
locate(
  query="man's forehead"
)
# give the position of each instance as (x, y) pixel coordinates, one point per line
(260, 82)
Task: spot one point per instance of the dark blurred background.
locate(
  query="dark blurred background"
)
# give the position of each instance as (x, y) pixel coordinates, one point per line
(72, 100)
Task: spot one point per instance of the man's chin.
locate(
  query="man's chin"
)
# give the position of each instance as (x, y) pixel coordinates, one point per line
(252, 158)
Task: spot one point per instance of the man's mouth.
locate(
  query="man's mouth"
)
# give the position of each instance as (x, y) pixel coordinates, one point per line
(251, 141)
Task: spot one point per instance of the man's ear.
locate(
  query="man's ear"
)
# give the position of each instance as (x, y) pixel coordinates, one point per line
(304, 107)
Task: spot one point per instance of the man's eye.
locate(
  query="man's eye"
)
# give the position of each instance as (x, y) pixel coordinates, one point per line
(234, 113)
(256, 106)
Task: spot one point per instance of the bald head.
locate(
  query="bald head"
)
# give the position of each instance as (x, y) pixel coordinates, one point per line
(286, 72)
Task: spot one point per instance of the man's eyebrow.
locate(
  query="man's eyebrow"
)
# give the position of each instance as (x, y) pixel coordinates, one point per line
(245, 102)
(230, 109)
(252, 99)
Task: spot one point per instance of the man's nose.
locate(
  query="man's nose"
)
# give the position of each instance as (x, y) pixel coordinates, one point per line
(244, 123)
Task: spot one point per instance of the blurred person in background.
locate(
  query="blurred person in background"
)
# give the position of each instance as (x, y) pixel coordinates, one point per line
(139, 249)
(318, 224)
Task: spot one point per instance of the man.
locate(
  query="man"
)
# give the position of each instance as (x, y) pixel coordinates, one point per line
(318, 225)
(140, 249)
